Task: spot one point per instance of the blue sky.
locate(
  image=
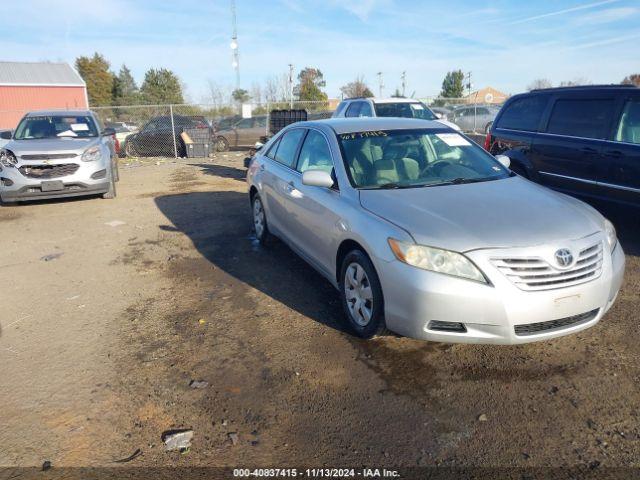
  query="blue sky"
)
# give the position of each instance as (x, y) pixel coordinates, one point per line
(505, 43)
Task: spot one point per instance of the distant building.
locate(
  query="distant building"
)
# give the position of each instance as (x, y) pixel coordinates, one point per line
(26, 86)
(486, 95)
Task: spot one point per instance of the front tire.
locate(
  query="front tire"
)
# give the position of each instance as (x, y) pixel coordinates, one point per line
(130, 150)
(222, 144)
(111, 193)
(361, 295)
(259, 220)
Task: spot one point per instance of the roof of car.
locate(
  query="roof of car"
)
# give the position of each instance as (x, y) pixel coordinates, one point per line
(57, 113)
(363, 124)
(614, 86)
(387, 100)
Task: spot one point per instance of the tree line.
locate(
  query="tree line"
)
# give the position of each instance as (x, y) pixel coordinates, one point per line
(107, 88)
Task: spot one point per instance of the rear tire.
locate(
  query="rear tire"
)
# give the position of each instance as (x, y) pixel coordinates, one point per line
(116, 170)
(130, 150)
(361, 295)
(259, 220)
(222, 144)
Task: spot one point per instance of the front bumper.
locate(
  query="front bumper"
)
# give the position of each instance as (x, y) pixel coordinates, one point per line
(14, 186)
(491, 313)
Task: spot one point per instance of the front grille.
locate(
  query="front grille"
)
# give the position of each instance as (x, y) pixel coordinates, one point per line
(49, 171)
(533, 328)
(535, 273)
(48, 156)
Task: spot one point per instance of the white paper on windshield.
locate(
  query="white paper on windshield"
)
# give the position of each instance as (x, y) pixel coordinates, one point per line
(79, 127)
(67, 133)
(417, 106)
(453, 139)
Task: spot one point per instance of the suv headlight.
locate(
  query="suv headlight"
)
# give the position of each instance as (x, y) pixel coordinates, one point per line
(91, 154)
(436, 260)
(7, 158)
(610, 232)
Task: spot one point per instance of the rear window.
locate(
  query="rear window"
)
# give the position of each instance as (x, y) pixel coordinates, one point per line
(524, 113)
(288, 146)
(587, 118)
(404, 110)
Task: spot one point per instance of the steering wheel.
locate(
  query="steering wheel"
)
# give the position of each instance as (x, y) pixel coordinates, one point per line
(436, 167)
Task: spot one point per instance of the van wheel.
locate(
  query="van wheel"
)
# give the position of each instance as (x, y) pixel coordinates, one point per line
(361, 295)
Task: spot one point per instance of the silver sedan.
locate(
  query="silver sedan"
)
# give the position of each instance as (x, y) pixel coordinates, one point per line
(425, 234)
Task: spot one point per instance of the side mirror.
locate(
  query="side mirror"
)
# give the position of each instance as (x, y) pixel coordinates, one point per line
(6, 135)
(439, 115)
(504, 160)
(247, 161)
(317, 178)
(258, 146)
(108, 132)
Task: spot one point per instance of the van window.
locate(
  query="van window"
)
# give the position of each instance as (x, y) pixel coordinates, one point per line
(629, 127)
(365, 109)
(524, 113)
(353, 110)
(586, 118)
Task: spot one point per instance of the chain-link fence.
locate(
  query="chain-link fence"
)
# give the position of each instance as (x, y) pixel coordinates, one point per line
(200, 130)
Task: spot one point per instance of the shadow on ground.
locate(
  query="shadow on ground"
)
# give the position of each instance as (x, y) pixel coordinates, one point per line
(223, 235)
(223, 171)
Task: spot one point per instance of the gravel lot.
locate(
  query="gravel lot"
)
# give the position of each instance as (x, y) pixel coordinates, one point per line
(165, 285)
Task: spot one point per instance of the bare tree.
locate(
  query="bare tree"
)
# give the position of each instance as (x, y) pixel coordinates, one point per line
(357, 88)
(539, 83)
(575, 82)
(256, 93)
(271, 90)
(215, 94)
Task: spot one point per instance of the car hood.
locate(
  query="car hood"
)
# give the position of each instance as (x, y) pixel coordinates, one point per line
(51, 145)
(511, 212)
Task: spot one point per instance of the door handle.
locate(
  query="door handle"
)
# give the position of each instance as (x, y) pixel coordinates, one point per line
(613, 153)
(262, 167)
(589, 150)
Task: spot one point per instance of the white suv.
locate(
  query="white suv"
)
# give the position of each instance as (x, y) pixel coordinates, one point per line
(388, 107)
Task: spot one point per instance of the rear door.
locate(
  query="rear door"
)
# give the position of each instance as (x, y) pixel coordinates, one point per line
(619, 170)
(243, 131)
(279, 180)
(567, 152)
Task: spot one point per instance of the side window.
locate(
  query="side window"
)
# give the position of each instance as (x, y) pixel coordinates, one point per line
(341, 108)
(315, 153)
(151, 126)
(588, 118)
(353, 110)
(524, 113)
(261, 122)
(629, 126)
(245, 123)
(288, 146)
(273, 148)
(365, 110)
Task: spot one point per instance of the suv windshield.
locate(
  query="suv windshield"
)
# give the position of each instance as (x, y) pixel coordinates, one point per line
(415, 158)
(50, 126)
(404, 110)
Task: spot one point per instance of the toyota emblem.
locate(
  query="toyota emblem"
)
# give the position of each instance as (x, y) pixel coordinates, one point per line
(564, 257)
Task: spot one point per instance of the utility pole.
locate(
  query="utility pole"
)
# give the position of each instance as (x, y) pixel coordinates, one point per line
(469, 85)
(404, 78)
(235, 62)
(380, 84)
(291, 86)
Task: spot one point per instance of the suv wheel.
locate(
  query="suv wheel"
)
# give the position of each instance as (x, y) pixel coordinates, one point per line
(361, 295)
(222, 144)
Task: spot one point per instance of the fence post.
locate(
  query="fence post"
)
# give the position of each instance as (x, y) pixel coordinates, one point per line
(173, 130)
(266, 127)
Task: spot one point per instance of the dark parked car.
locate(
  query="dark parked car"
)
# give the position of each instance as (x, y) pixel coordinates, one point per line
(245, 133)
(156, 138)
(584, 141)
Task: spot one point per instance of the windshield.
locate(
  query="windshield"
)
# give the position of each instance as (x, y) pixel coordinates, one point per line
(415, 158)
(49, 126)
(404, 110)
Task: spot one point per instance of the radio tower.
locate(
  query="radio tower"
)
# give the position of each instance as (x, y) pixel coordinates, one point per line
(235, 62)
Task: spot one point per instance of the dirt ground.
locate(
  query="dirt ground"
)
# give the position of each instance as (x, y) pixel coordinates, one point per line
(165, 285)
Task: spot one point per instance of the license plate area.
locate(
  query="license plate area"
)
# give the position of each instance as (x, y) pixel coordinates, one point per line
(52, 186)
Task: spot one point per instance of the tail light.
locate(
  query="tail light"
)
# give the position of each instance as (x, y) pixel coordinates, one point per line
(487, 142)
(117, 144)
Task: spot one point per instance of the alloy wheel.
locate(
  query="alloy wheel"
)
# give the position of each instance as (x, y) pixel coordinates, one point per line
(258, 217)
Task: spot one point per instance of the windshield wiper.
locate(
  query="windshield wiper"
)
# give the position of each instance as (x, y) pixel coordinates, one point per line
(392, 185)
(461, 180)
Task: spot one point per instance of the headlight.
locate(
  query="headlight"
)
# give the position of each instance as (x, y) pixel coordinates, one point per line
(436, 260)
(91, 154)
(610, 232)
(8, 159)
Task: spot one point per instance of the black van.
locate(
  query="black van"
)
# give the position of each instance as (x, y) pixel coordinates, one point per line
(584, 141)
